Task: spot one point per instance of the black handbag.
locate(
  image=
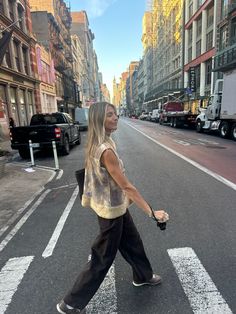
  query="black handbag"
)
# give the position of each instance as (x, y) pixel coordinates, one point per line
(79, 174)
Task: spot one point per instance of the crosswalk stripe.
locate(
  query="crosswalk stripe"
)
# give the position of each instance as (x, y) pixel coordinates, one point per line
(105, 299)
(197, 284)
(10, 277)
(56, 234)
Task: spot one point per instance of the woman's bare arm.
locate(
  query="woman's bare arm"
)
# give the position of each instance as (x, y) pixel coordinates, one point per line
(111, 163)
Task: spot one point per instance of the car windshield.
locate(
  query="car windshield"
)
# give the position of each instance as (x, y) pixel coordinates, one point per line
(41, 119)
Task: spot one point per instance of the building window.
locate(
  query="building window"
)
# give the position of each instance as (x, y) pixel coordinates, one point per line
(23, 113)
(190, 10)
(17, 56)
(190, 36)
(224, 8)
(45, 72)
(209, 40)
(11, 10)
(3, 102)
(14, 105)
(223, 38)
(233, 32)
(30, 103)
(208, 71)
(198, 48)
(8, 58)
(1, 7)
(210, 16)
(25, 59)
(190, 54)
(20, 11)
(199, 27)
(199, 3)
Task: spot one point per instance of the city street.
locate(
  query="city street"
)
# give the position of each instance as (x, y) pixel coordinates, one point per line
(192, 176)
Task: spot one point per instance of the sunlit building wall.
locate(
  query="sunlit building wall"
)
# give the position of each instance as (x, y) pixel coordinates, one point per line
(225, 59)
(52, 24)
(140, 82)
(147, 43)
(165, 55)
(97, 96)
(116, 97)
(200, 40)
(79, 66)
(129, 86)
(80, 27)
(123, 104)
(19, 84)
(47, 79)
(105, 93)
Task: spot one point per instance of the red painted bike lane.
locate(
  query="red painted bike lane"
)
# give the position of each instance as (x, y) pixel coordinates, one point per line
(214, 153)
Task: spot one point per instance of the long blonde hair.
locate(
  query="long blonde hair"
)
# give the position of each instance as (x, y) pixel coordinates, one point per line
(96, 129)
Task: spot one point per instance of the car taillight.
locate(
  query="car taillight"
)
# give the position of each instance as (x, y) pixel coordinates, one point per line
(58, 132)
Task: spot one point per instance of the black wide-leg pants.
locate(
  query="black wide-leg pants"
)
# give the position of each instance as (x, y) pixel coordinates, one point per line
(115, 234)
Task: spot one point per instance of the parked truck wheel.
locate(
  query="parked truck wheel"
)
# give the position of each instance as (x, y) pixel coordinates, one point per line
(233, 132)
(66, 146)
(175, 123)
(24, 153)
(199, 126)
(224, 129)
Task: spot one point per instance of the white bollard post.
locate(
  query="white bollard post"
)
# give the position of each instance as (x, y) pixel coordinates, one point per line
(31, 153)
(55, 155)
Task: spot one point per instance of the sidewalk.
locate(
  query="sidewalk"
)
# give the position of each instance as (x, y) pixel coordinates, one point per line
(17, 186)
(6, 146)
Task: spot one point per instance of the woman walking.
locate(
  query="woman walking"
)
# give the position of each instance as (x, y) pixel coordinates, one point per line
(109, 193)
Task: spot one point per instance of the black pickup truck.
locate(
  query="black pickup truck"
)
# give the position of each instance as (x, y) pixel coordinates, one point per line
(43, 129)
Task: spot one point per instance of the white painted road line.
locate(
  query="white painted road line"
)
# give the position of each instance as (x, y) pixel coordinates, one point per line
(56, 234)
(22, 221)
(193, 163)
(10, 277)
(60, 174)
(105, 299)
(197, 284)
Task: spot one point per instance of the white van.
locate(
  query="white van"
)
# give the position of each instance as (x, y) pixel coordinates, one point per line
(81, 117)
(155, 115)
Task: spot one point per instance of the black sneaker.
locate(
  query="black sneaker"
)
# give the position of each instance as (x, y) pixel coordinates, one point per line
(155, 280)
(63, 309)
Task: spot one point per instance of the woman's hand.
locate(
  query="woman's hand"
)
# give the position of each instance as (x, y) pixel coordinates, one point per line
(161, 215)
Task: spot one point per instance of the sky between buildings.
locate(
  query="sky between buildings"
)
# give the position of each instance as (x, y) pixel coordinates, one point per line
(117, 26)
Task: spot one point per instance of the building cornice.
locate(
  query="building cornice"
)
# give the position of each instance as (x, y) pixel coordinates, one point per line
(19, 77)
(202, 58)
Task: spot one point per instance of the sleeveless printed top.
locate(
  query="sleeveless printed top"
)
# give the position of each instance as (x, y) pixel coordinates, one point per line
(101, 192)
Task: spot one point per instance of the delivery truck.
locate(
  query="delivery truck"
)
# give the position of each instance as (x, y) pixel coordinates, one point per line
(220, 113)
(176, 115)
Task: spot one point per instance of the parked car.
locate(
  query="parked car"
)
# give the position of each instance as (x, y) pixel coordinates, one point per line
(143, 116)
(155, 115)
(148, 118)
(43, 129)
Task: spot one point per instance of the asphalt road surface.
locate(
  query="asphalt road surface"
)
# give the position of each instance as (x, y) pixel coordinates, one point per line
(196, 255)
